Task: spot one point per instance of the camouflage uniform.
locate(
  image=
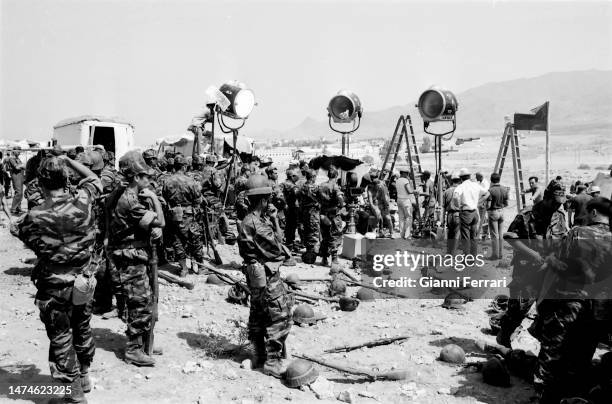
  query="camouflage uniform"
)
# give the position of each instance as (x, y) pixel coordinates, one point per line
(16, 170)
(60, 232)
(270, 314)
(539, 230)
(242, 202)
(569, 325)
(183, 196)
(212, 188)
(331, 199)
(289, 191)
(310, 214)
(129, 226)
(33, 194)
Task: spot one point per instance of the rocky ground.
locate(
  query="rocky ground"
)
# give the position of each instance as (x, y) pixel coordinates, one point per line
(194, 327)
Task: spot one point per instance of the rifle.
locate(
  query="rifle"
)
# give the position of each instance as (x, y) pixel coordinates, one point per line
(155, 292)
(209, 239)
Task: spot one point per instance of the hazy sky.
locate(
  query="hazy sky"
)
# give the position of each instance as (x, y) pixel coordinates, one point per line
(151, 61)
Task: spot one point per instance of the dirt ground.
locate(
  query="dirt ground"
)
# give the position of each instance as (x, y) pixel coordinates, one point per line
(194, 325)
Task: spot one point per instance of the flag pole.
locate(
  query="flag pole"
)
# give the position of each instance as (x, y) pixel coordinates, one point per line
(547, 141)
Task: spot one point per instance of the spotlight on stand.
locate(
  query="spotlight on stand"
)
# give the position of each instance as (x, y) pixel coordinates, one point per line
(435, 105)
(345, 108)
(234, 100)
(438, 105)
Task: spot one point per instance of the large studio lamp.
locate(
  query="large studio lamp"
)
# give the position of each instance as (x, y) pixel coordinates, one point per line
(435, 105)
(235, 101)
(345, 108)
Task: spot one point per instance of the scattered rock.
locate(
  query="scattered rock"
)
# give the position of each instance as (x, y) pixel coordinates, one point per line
(346, 396)
(191, 367)
(444, 390)
(246, 364)
(98, 387)
(30, 311)
(323, 389)
(230, 374)
(148, 376)
(367, 394)
(34, 342)
(2, 322)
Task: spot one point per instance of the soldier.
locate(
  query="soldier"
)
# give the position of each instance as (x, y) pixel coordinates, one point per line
(136, 218)
(331, 199)
(150, 158)
(259, 243)
(277, 198)
(212, 191)
(61, 233)
(310, 213)
(109, 176)
(184, 197)
(16, 169)
(451, 209)
(531, 234)
(242, 202)
(569, 325)
(290, 193)
(428, 194)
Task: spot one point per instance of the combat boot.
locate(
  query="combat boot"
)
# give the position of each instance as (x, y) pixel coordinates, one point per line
(135, 355)
(325, 261)
(184, 270)
(275, 367)
(85, 382)
(77, 395)
(257, 353)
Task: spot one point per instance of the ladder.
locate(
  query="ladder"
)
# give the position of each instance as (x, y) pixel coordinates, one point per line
(510, 140)
(412, 151)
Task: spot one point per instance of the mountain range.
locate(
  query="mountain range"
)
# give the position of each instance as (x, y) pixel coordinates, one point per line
(579, 101)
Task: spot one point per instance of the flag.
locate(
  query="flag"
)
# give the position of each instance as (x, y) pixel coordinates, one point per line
(536, 121)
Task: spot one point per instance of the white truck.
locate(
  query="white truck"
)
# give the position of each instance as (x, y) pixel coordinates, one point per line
(114, 134)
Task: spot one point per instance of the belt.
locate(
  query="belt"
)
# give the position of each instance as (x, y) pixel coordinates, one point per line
(131, 244)
(488, 210)
(468, 210)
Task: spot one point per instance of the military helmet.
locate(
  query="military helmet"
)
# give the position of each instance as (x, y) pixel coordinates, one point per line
(132, 164)
(337, 287)
(365, 294)
(299, 373)
(52, 169)
(495, 322)
(196, 161)
(292, 279)
(258, 184)
(452, 353)
(97, 162)
(454, 301)
(348, 303)
(303, 313)
(180, 161)
(495, 373)
(149, 154)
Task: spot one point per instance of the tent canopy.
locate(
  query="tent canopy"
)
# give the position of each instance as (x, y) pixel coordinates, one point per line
(184, 141)
(83, 118)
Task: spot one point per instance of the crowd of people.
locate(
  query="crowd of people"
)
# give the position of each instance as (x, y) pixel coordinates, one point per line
(95, 230)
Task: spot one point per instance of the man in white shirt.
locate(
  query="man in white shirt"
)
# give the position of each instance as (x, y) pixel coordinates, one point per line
(405, 200)
(467, 196)
(483, 228)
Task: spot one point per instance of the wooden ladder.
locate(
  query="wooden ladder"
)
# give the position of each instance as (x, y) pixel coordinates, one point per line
(510, 140)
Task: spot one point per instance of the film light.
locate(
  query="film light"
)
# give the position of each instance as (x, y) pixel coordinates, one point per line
(241, 100)
(344, 107)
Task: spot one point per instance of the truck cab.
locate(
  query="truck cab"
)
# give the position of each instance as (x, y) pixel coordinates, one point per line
(114, 134)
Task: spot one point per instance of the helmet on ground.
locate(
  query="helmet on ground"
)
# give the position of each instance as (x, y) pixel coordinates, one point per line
(132, 164)
(452, 353)
(258, 185)
(454, 301)
(303, 313)
(495, 373)
(293, 279)
(500, 303)
(348, 303)
(495, 322)
(365, 295)
(337, 287)
(299, 373)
